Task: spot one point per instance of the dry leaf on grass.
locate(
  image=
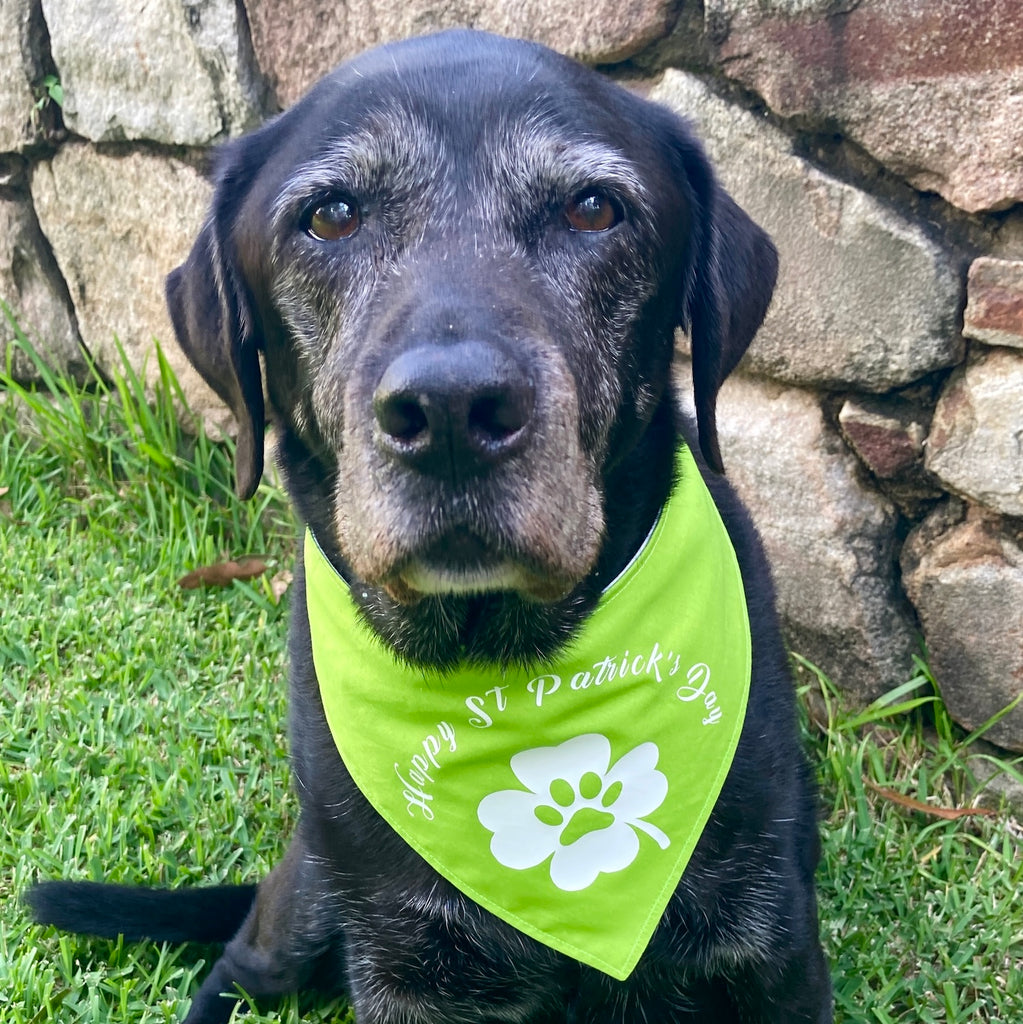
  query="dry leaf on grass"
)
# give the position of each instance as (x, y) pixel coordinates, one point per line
(221, 574)
(946, 813)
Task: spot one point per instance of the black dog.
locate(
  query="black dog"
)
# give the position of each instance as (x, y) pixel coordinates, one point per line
(462, 260)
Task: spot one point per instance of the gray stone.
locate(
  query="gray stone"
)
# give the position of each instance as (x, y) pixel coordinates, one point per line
(976, 442)
(865, 298)
(32, 289)
(174, 71)
(141, 213)
(994, 307)
(297, 43)
(994, 785)
(829, 539)
(21, 121)
(933, 90)
(966, 581)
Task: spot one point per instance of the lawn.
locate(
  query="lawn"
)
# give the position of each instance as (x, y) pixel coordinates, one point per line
(143, 740)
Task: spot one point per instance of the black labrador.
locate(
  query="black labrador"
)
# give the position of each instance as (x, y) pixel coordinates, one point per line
(461, 261)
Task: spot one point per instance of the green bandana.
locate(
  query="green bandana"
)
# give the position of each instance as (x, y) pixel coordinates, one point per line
(566, 799)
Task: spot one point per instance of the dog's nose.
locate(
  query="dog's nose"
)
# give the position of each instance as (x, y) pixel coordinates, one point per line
(453, 410)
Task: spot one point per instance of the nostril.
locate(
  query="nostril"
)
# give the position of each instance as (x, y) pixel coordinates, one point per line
(497, 418)
(401, 417)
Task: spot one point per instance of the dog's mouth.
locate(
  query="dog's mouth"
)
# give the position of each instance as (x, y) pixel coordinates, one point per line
(461, 562)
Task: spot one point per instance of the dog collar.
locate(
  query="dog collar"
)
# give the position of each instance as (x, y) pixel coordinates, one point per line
(566, 799)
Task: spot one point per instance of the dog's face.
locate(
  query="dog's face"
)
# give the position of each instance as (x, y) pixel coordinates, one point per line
(464, 259)
(460, 275)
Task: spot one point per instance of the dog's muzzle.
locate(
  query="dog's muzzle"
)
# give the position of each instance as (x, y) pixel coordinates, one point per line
(461, 469)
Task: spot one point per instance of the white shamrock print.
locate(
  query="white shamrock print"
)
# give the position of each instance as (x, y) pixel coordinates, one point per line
(579, 807)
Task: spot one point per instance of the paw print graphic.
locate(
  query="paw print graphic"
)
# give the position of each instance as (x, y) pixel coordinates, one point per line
(577, 808)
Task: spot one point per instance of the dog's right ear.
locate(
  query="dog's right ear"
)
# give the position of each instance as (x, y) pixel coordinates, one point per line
(734, 279)
(216, 328)
(733, 266)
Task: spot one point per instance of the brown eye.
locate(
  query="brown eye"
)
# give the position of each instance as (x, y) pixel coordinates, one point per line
(333, 221)
(592, 211)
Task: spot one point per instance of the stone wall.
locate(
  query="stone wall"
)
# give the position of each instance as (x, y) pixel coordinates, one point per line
(876, 428)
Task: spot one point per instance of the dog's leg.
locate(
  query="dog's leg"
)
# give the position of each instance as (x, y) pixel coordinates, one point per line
(796, 991)
(669, 999)
(278, 947)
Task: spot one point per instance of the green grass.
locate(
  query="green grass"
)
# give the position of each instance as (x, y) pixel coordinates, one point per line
(143, 741)
(921, 917)
(140, 739)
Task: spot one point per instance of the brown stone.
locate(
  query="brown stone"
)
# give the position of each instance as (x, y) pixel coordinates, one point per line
(888, 437)
(994, 308)
(933, 90)
(298, 43)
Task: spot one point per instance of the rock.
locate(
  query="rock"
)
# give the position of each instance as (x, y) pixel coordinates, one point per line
(994, 307)
(1006, 238)
(933, 90)
(976, 442)
(865, 298)
(174, 72)
(31, 286)
(298, 43)
(143, 229)
(966, 582)
(887, 436)
(992, 785)
(831, 542)
(21, 121)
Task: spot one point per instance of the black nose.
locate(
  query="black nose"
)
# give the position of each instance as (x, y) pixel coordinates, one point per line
(453, 410)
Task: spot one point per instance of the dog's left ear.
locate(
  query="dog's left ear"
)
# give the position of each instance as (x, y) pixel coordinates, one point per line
(733, 269)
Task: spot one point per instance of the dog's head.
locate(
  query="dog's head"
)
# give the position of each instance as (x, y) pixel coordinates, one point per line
(463, 259)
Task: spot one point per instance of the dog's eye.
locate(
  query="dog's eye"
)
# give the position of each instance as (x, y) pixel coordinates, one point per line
(592, 211)
(330, 222)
